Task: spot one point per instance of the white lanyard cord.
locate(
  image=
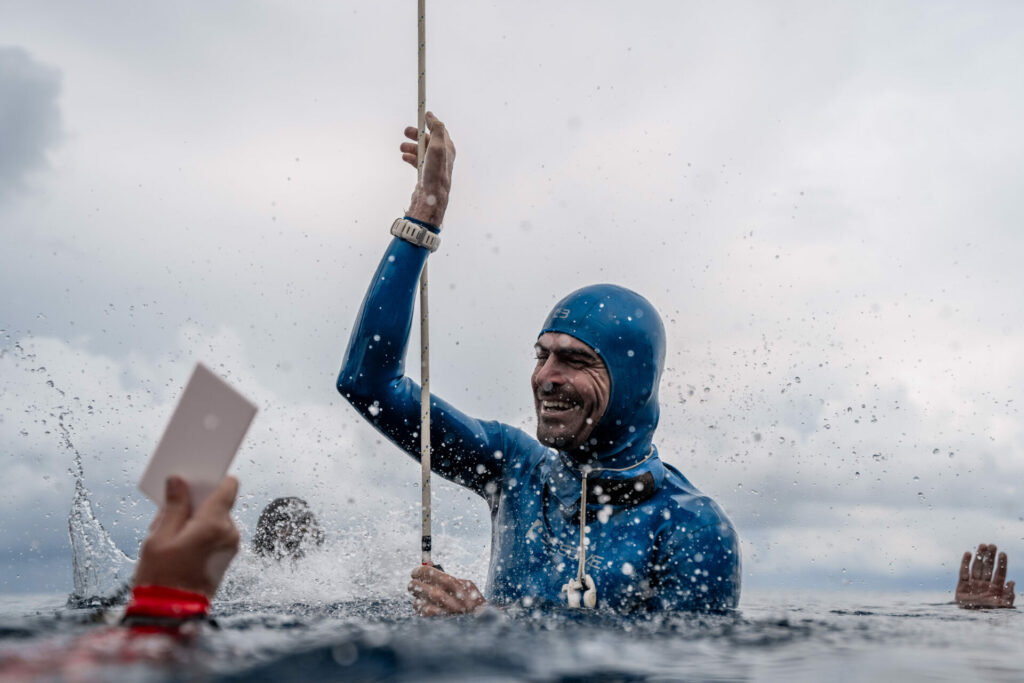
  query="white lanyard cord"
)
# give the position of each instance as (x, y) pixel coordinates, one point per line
(581, 571)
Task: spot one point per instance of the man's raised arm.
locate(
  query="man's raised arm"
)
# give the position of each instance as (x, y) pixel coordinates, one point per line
(373, 377)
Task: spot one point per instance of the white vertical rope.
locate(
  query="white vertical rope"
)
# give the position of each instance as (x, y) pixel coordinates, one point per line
(421, 122)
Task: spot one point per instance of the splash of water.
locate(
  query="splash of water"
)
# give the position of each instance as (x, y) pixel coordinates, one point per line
(367, 560)
(101, 571)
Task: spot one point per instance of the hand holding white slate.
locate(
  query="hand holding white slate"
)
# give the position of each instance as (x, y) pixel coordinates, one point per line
(201, 439)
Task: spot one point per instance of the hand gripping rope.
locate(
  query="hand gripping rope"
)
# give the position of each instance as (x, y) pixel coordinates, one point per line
(421, 122)
(583, 581)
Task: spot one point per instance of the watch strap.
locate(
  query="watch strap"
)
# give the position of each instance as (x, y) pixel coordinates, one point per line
(415, 234)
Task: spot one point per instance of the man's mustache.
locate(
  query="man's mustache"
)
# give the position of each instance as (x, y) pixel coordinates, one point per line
(561, 395)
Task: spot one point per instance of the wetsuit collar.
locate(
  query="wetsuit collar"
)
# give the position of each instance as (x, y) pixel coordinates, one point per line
(565, 484)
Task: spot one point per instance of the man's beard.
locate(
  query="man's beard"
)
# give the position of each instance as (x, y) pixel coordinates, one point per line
(565, 434)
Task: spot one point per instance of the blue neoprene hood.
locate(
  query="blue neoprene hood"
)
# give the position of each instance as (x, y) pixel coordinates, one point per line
(625, 330)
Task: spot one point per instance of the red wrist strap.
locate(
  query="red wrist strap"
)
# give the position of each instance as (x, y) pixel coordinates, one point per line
(164, 602)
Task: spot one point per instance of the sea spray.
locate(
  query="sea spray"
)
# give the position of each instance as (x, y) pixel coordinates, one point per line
(366, 558)
(101, 571)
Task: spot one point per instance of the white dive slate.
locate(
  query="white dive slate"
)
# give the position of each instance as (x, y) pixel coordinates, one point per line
(201, 439)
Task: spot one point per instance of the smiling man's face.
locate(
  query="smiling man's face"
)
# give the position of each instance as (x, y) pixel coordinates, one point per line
(571, 386)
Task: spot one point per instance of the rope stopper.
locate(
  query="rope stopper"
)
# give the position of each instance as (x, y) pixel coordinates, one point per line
(583, 588)
(421, 139)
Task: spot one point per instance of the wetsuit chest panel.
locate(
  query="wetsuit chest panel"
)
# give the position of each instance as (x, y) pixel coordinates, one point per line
(536, 541)
(529, 556)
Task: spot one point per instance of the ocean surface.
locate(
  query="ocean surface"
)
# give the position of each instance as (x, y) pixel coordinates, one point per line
(837, 636)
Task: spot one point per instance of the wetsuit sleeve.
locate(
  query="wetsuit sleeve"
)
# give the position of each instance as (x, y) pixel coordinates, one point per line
(698, 570)
(373, 380)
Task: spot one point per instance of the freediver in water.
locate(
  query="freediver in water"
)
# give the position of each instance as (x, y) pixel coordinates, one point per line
(286, 528)
(652, 541)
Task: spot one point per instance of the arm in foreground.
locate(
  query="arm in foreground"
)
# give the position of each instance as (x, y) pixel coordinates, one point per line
(982, 582)
(182, 562)
(184, 557)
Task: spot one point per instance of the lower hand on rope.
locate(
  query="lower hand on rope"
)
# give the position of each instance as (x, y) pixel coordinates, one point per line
(979, 586)
(430, 198)
(435, 593)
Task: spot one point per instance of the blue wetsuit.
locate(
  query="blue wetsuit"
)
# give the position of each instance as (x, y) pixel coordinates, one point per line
(655, 541)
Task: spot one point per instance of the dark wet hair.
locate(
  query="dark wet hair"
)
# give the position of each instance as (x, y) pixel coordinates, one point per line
(286, 528)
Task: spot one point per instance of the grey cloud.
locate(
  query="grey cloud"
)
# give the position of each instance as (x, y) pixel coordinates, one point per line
(29, 116)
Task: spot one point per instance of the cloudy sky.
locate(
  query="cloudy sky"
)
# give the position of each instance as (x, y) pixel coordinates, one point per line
(822, 199)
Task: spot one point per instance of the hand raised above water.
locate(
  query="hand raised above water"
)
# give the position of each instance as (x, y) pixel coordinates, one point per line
(430, 198)
(190, 549)
(980, 586)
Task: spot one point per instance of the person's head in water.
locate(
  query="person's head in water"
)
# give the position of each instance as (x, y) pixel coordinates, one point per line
(599, 360)
(286, 528)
